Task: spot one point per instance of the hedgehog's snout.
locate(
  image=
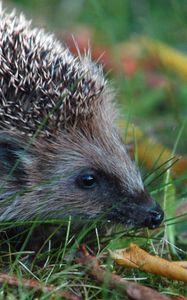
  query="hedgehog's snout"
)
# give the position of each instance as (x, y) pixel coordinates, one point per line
(154, 217)
(139, 210)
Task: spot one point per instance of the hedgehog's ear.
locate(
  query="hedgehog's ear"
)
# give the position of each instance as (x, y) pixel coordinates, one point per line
(14, 157)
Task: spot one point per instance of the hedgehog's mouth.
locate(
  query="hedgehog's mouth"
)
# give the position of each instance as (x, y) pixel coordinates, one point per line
(134, 215)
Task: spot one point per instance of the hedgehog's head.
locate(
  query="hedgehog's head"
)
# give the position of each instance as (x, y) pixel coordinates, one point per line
(60, 153)
(96, 174)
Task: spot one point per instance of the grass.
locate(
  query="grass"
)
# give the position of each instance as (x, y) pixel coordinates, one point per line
(156, 111)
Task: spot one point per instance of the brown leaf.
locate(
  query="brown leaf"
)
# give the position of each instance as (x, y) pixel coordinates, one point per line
(135, 257)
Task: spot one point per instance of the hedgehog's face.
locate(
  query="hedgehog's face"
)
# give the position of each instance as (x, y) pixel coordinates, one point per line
(103, 197)
(97, 178)
(116, 205)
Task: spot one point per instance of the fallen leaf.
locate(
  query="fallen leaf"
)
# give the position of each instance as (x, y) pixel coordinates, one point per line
(135, 257)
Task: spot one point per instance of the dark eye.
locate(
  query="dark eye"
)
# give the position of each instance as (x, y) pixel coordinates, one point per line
(87, 180)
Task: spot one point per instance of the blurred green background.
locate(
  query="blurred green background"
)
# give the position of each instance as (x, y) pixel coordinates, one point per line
(115, 20)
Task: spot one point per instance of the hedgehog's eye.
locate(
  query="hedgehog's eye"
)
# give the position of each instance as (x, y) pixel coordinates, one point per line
(87, 180)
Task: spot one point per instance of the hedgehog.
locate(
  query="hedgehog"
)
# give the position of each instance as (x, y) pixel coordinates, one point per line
(61, 153)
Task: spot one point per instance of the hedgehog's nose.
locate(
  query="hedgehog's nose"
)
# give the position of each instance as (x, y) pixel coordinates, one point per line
(155, 217)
